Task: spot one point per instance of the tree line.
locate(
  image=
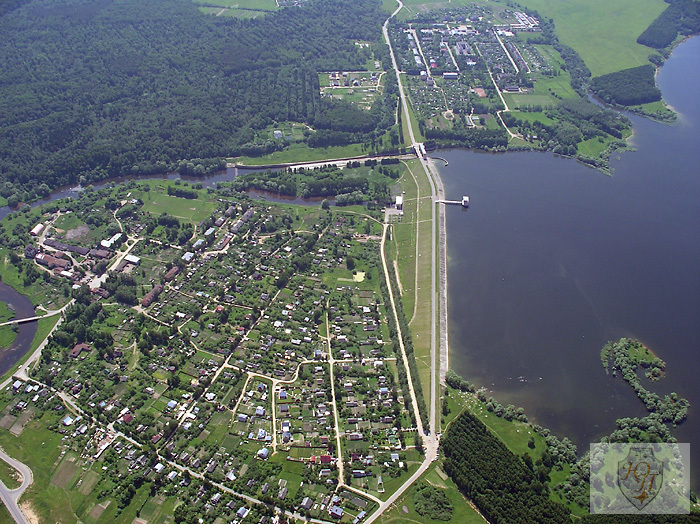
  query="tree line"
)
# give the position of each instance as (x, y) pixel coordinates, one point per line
(325, 181)
(501, 485)
(474, 137)
(681, 16)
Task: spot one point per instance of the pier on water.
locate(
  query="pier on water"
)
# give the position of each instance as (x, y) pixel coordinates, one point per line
(464, 202)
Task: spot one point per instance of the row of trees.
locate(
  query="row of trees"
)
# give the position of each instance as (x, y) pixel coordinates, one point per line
(473, 137)
(503, 487)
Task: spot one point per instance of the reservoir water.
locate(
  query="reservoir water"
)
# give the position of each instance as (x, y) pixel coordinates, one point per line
(553, 259)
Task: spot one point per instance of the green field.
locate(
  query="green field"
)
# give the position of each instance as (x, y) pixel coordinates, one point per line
(389, 5)
(237, 8)
(257, 5)
(67, 221)
(592, 147)
(4, 514)
(603, 33)
(7, 336)
(415, 7)
(189, 210)
(239, 13)
(5, 312)
(533, 117)
(415, 226)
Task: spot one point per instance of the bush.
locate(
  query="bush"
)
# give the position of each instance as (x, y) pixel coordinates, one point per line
(432, 502)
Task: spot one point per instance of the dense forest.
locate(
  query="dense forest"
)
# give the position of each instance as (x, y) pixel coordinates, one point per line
(628, 87)
(503, 487)
(117, 87)
(681, 16)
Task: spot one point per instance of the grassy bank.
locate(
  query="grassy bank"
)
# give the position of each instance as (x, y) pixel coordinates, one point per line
(9, 476)
(44, 327)
(411, 247)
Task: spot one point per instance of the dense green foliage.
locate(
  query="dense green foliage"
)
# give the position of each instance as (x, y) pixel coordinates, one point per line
(682, 16)
(619, 357)
(502, 486)
(432, 502)
(628, 87)
(8, 5)
(323, 182)
(120, 87)
(469, 136)
(575, 120)
(455, 381)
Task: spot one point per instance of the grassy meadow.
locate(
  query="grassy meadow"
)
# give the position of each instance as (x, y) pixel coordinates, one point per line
(603, 33)
(237, 8)
(413, 265)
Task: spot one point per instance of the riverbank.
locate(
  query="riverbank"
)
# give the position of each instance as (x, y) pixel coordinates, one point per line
(45, 327)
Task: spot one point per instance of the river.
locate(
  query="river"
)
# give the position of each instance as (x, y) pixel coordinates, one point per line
(23, 309)
(553, 259)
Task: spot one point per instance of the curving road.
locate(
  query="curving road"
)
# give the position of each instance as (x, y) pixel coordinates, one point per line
(10, 497)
